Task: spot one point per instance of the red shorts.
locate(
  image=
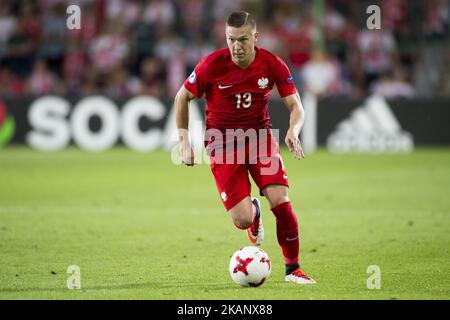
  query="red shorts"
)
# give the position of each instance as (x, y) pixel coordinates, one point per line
(231, 173)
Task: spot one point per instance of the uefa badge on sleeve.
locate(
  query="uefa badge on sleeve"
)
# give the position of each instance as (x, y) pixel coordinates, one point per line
(192, 77)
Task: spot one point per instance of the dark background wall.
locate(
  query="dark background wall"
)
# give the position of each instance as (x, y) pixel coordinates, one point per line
(427, 119)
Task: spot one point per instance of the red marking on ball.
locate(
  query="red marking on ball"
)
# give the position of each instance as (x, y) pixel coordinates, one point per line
(242, 265)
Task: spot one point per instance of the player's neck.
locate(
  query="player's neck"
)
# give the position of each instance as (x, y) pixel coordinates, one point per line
(246, 63)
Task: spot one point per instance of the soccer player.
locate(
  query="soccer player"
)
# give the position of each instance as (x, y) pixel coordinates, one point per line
(236, 82)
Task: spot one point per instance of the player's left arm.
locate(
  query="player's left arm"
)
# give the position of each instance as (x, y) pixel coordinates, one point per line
(296, 121)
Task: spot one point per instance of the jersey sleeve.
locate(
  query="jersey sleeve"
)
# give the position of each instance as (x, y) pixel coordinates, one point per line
(283, 78)
(197, 81)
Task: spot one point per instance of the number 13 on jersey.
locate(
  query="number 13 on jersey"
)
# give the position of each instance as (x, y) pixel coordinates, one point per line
(247, 97)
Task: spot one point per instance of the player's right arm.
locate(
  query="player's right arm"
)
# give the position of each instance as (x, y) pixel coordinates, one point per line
(194, 87)
(182, 119)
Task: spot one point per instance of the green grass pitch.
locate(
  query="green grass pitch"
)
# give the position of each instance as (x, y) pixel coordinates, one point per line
(140, 227)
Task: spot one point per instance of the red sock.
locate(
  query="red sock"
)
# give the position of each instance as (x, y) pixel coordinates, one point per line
(287, 232)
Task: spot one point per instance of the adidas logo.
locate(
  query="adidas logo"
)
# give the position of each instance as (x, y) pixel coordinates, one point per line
(372, 127)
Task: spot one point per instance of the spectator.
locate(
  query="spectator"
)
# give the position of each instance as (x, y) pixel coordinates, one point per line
(269, 39)
(31, 21)
(118, 34)
(393, 85)
(119, 85)
(53, 36)
(8, 24)
(437, 19)
(89, 23)
(90, 84)
(377, 50)
(288, 20)
(153, 77)
(74, 63)
(339, 32)
(109, 49)
(196, 49)
(160, 13)
(142, 40)
(176, 72)
(395, 12)
(19, 51)
(192, 18)
(127, 10)
(10, 84)
(41, 80)
(321, 76)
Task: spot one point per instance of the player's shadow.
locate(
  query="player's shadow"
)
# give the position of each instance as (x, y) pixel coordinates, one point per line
(143, 285)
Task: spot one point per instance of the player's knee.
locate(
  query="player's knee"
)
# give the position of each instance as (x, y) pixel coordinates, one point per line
(242, 218)
(242, 222)
(242, 214)
(276, 201)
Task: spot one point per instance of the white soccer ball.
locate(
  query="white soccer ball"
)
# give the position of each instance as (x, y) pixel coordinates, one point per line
(250, 266)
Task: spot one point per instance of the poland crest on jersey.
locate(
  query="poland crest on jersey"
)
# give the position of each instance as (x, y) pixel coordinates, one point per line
(263, 83)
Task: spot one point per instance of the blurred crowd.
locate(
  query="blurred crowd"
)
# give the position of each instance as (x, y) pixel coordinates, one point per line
(130, 47)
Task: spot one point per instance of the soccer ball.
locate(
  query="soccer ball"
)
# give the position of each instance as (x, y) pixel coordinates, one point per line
(250, 267)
